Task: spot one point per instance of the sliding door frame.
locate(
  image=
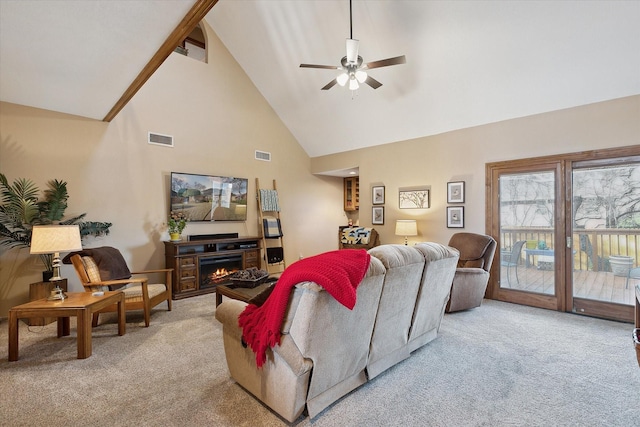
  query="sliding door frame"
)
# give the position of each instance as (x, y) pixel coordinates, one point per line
(557, 301)
(562, 165)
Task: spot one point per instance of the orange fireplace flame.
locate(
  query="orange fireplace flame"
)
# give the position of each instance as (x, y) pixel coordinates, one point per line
(221, 272)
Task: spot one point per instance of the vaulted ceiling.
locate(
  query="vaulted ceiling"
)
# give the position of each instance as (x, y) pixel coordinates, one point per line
(468, 62)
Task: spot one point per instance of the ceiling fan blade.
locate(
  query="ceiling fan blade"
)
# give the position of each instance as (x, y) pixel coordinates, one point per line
(328, 67)
(331, 84)
(352, 50)
(373, 82)
(385, 62)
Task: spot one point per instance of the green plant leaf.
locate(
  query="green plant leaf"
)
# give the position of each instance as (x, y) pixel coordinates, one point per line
(55, 200)
(20, 210)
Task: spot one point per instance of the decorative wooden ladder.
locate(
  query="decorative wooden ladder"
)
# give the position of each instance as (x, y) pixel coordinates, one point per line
(272, 246)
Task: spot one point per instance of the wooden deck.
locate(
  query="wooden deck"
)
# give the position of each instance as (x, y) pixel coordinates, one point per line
(595, 285)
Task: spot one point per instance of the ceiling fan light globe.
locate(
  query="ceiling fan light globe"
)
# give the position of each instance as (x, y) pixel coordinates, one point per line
(361, 76)
(342, 79)
(353, 84)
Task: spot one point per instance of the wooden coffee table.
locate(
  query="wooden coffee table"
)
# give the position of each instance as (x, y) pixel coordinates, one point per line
(79, 304)
(240, 293)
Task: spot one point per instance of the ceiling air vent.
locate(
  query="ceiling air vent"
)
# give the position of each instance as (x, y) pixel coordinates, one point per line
(159, 139)
(263, 155)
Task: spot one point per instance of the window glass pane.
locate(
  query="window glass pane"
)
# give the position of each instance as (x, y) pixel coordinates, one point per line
(527, 203)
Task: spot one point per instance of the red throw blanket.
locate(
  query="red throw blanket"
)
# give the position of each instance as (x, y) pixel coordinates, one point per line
(339, 272)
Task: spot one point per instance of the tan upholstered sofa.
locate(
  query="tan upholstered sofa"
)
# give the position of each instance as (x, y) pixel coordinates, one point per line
(403, 294)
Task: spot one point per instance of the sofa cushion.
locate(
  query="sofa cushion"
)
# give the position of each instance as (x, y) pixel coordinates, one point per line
(402, 280)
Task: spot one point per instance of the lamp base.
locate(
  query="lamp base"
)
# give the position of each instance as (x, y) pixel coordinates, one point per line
(57, 294)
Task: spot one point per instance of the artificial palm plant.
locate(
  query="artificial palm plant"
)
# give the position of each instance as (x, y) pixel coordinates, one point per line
(21, 210)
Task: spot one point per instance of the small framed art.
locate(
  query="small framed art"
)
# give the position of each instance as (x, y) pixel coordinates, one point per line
(455, 216)
(377, 215)
(377, 195)
(455, 192)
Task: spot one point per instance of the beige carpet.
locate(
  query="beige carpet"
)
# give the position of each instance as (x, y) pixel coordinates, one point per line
(500, 364)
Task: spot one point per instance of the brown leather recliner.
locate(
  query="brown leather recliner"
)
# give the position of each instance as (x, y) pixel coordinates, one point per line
(472, 274)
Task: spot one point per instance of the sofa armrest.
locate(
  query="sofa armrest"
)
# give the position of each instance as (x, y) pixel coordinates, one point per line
(119, 281)
(227, 313)
(159, 270)
(471, 271)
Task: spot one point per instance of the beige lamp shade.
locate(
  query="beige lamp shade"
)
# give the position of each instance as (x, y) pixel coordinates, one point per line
(49, 239)
(406, 227)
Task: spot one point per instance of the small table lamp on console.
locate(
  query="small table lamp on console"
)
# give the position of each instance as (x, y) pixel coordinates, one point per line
(406, 227)
(53, 239)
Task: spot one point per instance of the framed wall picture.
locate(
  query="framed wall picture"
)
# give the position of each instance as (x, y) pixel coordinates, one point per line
(377, 195)
(455, 192)
(414, 198)
(455, 216)
(377, 215)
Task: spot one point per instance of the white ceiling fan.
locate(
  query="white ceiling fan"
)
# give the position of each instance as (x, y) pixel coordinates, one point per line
(354, 70)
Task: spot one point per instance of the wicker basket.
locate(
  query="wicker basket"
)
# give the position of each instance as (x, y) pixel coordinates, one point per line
(249, 283)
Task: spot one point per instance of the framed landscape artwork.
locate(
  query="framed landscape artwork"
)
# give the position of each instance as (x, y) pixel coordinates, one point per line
(455, 192)
(455, 217)
(377, 215)
(377, 195)
(414, 198)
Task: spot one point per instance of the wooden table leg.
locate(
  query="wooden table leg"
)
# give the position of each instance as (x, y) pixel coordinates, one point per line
(64, 327)
(13, 336)
(84, 333)
(122, 322)
(218, 298)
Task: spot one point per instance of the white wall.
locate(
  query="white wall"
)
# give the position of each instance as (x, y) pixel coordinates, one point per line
(462, 155)
(218, 120)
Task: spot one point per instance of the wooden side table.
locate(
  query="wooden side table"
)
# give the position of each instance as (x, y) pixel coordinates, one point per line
(41, 290)
(79, 304)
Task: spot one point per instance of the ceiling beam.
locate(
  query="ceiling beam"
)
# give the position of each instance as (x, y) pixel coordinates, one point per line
(184, 28)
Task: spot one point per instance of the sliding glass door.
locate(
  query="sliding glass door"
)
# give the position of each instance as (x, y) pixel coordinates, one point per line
(527, 221)
(606, 236)
(568, 231)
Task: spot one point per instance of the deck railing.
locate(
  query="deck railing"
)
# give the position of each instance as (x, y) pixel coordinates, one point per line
(592, 247)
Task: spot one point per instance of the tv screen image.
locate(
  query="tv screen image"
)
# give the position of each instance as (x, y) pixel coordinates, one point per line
(209, 197)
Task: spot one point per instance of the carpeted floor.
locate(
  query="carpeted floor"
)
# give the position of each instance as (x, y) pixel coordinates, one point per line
(497, 365)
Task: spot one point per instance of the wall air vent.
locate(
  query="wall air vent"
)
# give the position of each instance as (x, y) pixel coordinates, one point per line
(263, 155)
(159, 139)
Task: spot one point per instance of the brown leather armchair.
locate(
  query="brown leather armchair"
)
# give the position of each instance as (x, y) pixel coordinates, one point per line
(472, 274)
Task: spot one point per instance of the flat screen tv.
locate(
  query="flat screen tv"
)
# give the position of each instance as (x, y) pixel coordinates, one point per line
(209, 197)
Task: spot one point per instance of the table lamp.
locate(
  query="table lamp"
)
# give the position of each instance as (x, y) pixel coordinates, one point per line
(406, 227)
(53, 239)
